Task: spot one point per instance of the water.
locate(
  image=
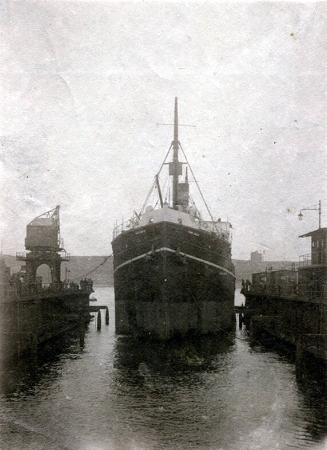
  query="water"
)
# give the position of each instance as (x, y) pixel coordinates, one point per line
(223, 393)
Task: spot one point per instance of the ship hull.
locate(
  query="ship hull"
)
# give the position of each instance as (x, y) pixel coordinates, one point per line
(171, 281)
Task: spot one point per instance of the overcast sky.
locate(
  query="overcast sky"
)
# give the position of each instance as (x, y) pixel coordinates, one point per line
(85, 83)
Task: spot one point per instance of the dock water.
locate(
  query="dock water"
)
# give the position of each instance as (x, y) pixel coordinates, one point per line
(110, 391)
(298, 321)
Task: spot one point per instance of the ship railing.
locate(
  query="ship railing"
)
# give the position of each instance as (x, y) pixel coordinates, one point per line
(290, 290)
(20, 255)
(201, 224)
(124, 226)
(221, 229)
(305, 260)
(223, 235)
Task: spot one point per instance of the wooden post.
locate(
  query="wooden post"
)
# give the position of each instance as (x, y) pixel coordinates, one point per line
(299, 358)
(99, 320)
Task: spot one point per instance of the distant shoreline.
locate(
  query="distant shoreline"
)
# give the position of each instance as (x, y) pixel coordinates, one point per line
(100, 268)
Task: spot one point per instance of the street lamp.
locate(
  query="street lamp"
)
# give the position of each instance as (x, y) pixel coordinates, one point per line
(312, 208)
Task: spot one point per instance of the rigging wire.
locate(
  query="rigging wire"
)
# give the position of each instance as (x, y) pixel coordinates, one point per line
(148, 196)
(196, 182)
(94, 269)
(165, 158)
(163, 190)
(154, 182)
(192, 201)
(164, 187)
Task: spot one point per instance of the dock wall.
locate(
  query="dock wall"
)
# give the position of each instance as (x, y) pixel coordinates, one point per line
(27, 323)
(298, 321)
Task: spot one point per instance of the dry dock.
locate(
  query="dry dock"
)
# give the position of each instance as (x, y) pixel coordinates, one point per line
(31, 311)
(26, 323)
(291, 305)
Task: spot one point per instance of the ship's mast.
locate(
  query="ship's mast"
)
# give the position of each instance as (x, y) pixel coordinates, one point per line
(175, 167)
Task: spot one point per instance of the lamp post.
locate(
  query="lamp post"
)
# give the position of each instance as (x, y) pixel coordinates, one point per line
(312, 208)
(67, 272)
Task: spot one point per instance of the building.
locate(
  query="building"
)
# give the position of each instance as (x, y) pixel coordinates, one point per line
(256, 257)
(313, 266)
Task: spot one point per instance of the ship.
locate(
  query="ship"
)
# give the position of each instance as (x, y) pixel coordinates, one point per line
(173, 271)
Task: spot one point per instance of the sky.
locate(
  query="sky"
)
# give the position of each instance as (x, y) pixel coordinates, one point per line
(84, 85)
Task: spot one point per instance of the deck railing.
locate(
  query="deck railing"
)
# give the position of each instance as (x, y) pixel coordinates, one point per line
(35, 290)
(21, 256)
(305, 260)
(290, 290)
(127, 225)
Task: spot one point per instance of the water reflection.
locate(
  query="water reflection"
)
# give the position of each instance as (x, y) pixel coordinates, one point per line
(312, 383)
(21, 376)
(194, 353)
(118, 393)
(171, 394)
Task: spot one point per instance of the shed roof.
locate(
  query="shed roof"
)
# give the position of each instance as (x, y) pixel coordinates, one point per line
(320, 232)
(42, 222)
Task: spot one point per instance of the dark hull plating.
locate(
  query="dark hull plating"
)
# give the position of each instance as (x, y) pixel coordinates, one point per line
(172, 280)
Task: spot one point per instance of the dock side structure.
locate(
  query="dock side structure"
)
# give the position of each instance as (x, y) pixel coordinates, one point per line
(291, 305)
(32, 312)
